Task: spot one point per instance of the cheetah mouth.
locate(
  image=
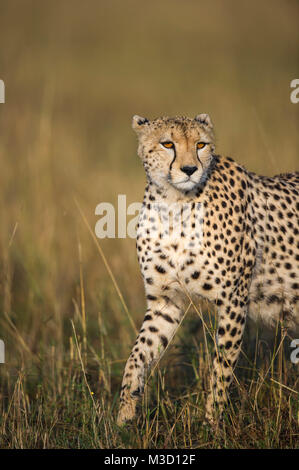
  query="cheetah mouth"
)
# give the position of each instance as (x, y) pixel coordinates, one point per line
(184, 185)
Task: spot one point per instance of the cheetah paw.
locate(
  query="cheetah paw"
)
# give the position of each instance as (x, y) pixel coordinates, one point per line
(127, 411)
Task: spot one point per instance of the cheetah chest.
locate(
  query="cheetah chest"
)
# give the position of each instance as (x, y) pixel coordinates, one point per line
(170, 246)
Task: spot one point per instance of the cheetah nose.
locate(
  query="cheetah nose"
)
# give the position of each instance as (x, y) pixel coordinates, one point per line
(189, 170)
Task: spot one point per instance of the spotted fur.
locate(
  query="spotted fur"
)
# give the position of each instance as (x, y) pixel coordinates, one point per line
(241, 252)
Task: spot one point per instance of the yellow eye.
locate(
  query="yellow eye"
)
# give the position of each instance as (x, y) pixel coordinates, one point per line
(168, 145)
(201, 145)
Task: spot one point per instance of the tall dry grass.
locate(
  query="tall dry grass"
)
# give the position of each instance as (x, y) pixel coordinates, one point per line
(74, 76)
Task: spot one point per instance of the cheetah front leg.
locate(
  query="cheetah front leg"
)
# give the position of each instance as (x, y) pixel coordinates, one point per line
(159, 326)
(228, 344)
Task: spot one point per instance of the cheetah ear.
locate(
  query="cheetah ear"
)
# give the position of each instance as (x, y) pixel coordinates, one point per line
(205, 120)
(138, 122)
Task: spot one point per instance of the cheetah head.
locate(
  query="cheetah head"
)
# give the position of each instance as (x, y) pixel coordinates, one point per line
(175, 151)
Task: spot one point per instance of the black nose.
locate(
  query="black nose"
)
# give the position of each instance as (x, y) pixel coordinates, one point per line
(189, 170)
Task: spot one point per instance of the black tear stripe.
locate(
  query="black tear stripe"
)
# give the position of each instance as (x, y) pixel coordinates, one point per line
(200, 162)
(173, 160)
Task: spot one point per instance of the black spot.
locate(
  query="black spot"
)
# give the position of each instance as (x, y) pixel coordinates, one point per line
(160, 269)
(164, 341)
(137, 392)
(153, 329)
(195, 275)
(207, 286)
(151, 297)
(165, 316)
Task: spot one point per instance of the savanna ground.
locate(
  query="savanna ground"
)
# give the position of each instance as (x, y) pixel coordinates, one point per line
(75, 73)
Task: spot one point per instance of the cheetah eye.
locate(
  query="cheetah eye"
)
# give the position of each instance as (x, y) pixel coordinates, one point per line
(168, 145)
(201, 145)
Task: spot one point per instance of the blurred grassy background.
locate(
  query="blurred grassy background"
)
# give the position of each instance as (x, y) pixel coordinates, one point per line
(75, 73)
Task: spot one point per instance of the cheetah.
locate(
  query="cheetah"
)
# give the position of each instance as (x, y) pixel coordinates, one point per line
(237, 247)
